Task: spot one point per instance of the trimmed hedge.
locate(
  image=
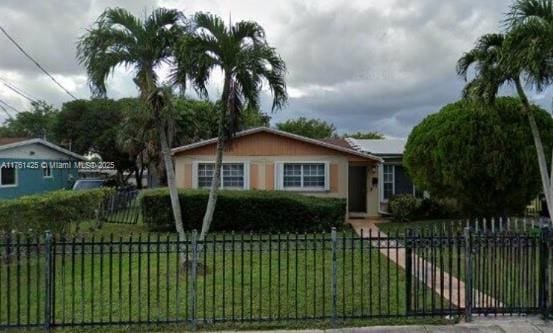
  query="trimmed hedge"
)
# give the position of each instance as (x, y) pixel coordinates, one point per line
(265, 211)
(53, 211)
(402, 206)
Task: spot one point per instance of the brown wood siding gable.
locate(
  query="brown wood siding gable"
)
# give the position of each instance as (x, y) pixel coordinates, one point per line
(267, 144)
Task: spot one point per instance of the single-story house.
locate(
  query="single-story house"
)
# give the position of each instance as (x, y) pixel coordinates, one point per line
(269, 159)
(29, 166)
(393, 176)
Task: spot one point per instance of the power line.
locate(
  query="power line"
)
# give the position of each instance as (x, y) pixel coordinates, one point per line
(9, 106)
(19, 91)
(6, 111)
(36, 63)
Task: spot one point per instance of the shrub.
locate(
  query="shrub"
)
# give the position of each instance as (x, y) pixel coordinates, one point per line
(53, 211)
(265, 211)
(430, 209)
(481, 155)
(402, 207)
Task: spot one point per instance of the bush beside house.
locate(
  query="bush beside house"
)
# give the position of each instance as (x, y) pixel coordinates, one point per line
(405, 207)
(259, 211)
(53, 211)
(480, 155)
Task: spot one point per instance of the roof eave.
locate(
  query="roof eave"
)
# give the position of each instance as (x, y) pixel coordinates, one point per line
(42, 142)
(281, 133)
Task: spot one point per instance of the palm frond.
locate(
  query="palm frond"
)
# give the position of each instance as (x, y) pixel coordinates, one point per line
(248, 30)
(234, 106)
(212, 24)
(121, 18)
(100, 51)
(523, 10)
(529, 50)
(163, 18)
(120, 38)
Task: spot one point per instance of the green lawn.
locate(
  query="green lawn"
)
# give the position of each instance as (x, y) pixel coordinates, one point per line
(242, 282)
(505, 268)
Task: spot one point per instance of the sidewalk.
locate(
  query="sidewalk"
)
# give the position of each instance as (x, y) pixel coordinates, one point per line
(484, 325)
(442, 280)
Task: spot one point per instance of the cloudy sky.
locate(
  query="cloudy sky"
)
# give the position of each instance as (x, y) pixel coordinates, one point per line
(378, 65)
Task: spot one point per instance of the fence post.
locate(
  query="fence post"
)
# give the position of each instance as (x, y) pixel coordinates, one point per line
(468, 273)
(193, 270)
(408, 269)
(544, 278)
(48, 281)
(334, 278)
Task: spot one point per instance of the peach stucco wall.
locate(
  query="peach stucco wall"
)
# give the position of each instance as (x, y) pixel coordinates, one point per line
(263, 151)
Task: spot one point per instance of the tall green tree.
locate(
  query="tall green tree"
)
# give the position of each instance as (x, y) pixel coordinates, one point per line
(93, 125)
(137, 136)
(36, 123)
(311, 128)
(246, 60)
(199, 120)
(523, 57)
(365, 135)
(119, 38)
(479, 154)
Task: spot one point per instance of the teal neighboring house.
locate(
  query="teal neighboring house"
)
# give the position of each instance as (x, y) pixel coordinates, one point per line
(30, 166)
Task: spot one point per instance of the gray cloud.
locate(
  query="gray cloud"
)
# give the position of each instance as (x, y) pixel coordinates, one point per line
(364, 65)
(371, 68)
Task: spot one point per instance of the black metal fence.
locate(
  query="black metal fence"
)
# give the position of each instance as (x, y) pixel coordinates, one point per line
(66, 282)
(121, 207)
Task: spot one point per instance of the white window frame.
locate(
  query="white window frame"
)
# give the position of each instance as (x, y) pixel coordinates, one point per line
(51, 173)
(279, 177)
(246, 165)
(381, 176)
(10, 185)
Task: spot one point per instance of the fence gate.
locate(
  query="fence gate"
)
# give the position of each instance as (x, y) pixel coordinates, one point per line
(480, 272)
(121, 207)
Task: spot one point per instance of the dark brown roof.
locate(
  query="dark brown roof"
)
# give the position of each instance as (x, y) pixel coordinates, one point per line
(7, 141)
(337, 142)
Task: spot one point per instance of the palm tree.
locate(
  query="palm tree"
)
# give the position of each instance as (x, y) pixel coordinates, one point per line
(521, 56)
(120, 39)
(246, 61)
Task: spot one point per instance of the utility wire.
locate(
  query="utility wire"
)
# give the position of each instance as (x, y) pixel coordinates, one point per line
(6, 111)
(19, 91)
(36, 63)
(9, 106)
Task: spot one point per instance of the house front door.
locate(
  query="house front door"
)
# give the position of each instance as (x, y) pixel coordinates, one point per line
(357, 189)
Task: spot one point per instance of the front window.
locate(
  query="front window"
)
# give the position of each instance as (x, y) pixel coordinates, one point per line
(205, 173)
(47, 172)
(232, 175)
(388, 181)
(8, 176)
(310, 176)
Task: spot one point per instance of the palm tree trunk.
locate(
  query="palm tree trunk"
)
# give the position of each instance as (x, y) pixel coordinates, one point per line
(545, 179)
(171, 181)
(216, 180)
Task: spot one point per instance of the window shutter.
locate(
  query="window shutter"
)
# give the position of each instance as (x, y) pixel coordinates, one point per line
(194, 174)
(246, 175)
(327, 176)
(278, 176)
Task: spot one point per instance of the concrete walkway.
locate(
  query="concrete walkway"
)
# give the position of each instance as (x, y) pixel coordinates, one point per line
(485, 325)
(431, 275)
